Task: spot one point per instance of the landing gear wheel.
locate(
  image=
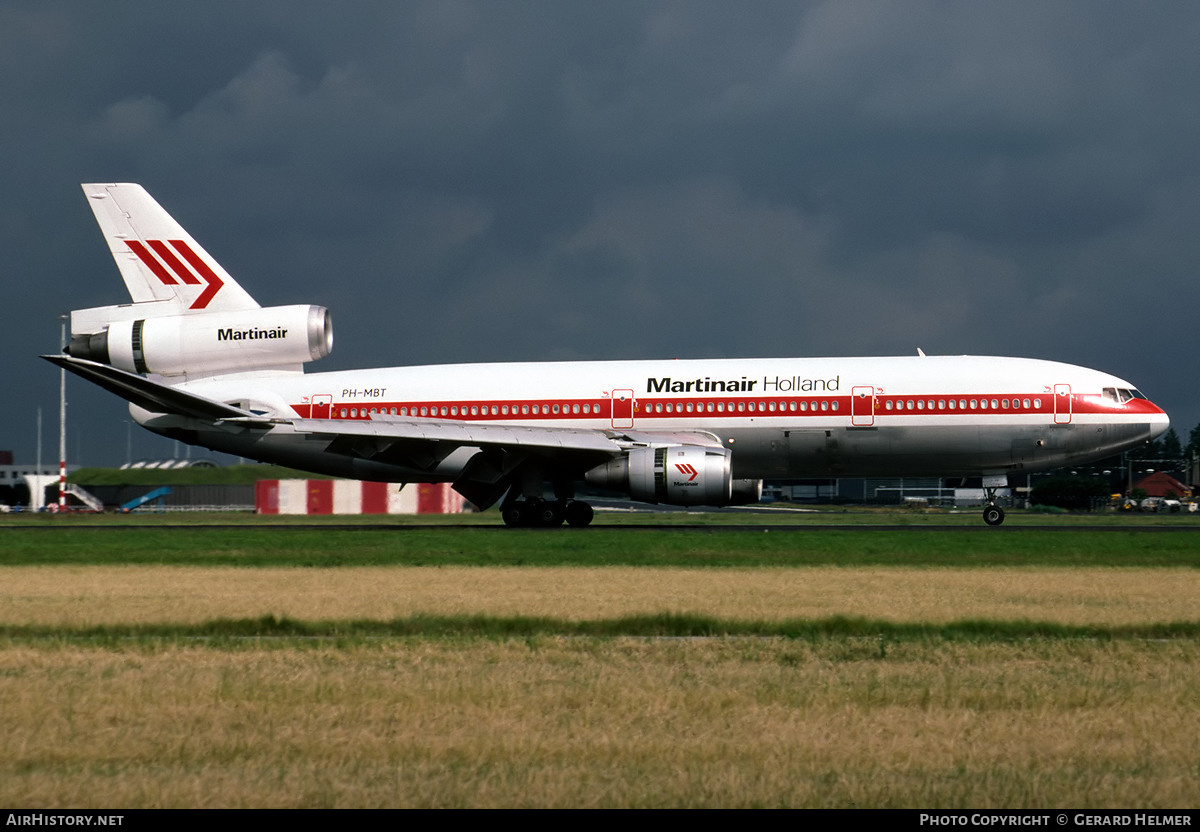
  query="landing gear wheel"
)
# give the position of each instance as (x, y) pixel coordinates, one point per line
(993, 515)
(515, 514)
(546, 513)
(579, 514)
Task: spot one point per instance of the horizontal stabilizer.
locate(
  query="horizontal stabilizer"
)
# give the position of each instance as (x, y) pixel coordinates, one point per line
(147, 394)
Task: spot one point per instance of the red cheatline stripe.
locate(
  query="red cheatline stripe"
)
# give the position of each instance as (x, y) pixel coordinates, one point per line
(1082, 404)
(152, 264)
(168, 257)
(214, 283)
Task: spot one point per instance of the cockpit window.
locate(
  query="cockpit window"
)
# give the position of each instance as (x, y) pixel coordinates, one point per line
(1120, 395)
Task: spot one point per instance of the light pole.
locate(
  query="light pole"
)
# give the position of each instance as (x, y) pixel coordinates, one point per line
(62, 420)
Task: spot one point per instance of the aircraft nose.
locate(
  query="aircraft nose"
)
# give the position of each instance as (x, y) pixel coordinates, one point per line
(1159, 422)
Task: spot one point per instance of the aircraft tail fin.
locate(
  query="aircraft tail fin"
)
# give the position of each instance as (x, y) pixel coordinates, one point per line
(161, 263)
(189, 318)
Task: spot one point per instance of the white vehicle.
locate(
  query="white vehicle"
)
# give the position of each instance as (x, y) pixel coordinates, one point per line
(201, 362)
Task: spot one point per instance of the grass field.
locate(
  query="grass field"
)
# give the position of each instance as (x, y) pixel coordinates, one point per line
(250, 666)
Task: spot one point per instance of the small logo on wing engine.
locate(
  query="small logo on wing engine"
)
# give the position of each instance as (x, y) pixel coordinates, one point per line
(686, 470)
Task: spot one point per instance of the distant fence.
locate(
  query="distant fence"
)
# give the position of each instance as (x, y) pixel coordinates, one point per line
(354, 497)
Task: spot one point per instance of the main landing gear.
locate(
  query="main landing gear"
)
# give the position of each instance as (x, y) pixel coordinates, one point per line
(993, 515)
(536, 512)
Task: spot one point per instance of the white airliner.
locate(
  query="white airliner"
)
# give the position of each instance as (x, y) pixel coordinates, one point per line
(201, 362)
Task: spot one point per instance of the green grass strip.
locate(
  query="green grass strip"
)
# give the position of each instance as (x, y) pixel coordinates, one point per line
(665, 625)
(322, 547)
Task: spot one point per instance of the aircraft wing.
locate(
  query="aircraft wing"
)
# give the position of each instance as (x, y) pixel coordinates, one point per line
(459, 434)
(384, 426)
(495, 451)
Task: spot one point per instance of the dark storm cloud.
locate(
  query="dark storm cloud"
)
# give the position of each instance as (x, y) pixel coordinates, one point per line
(478, 181)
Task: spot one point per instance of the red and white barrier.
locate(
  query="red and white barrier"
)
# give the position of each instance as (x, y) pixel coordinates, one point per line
(354, 497)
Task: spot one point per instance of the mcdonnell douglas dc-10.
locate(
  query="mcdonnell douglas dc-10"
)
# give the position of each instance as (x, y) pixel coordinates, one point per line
(201, 362)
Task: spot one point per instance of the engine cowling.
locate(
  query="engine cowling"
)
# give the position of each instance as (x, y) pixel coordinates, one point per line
(211, 342)
(679, 475)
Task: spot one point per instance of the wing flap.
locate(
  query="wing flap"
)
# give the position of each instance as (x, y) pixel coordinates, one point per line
(463, 435)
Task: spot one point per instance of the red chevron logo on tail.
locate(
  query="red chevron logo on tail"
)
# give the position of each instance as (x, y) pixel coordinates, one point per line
(166, 267)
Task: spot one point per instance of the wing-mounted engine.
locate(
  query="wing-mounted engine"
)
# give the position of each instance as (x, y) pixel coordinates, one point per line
(203, 343)
(680, 475)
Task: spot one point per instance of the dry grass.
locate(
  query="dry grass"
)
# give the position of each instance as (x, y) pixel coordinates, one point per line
(584, 722)
(95, 595)
(548, 721)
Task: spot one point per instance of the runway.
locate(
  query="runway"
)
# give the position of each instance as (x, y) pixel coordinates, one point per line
(634, 528)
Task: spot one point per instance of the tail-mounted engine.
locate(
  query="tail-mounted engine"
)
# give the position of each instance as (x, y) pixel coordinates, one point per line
(210, 343)
(679, 475)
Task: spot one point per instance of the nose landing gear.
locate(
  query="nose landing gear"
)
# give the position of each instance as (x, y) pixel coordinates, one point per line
(993, 515)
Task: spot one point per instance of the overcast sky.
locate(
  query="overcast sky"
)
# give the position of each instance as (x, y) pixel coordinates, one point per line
(477, 181)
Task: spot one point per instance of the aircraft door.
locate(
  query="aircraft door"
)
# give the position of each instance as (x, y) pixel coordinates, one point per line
(862, 407)
(622, 408)
(322, 405)
(1062, 404)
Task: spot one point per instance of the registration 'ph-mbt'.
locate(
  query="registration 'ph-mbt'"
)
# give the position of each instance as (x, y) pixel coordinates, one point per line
(200, 361)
